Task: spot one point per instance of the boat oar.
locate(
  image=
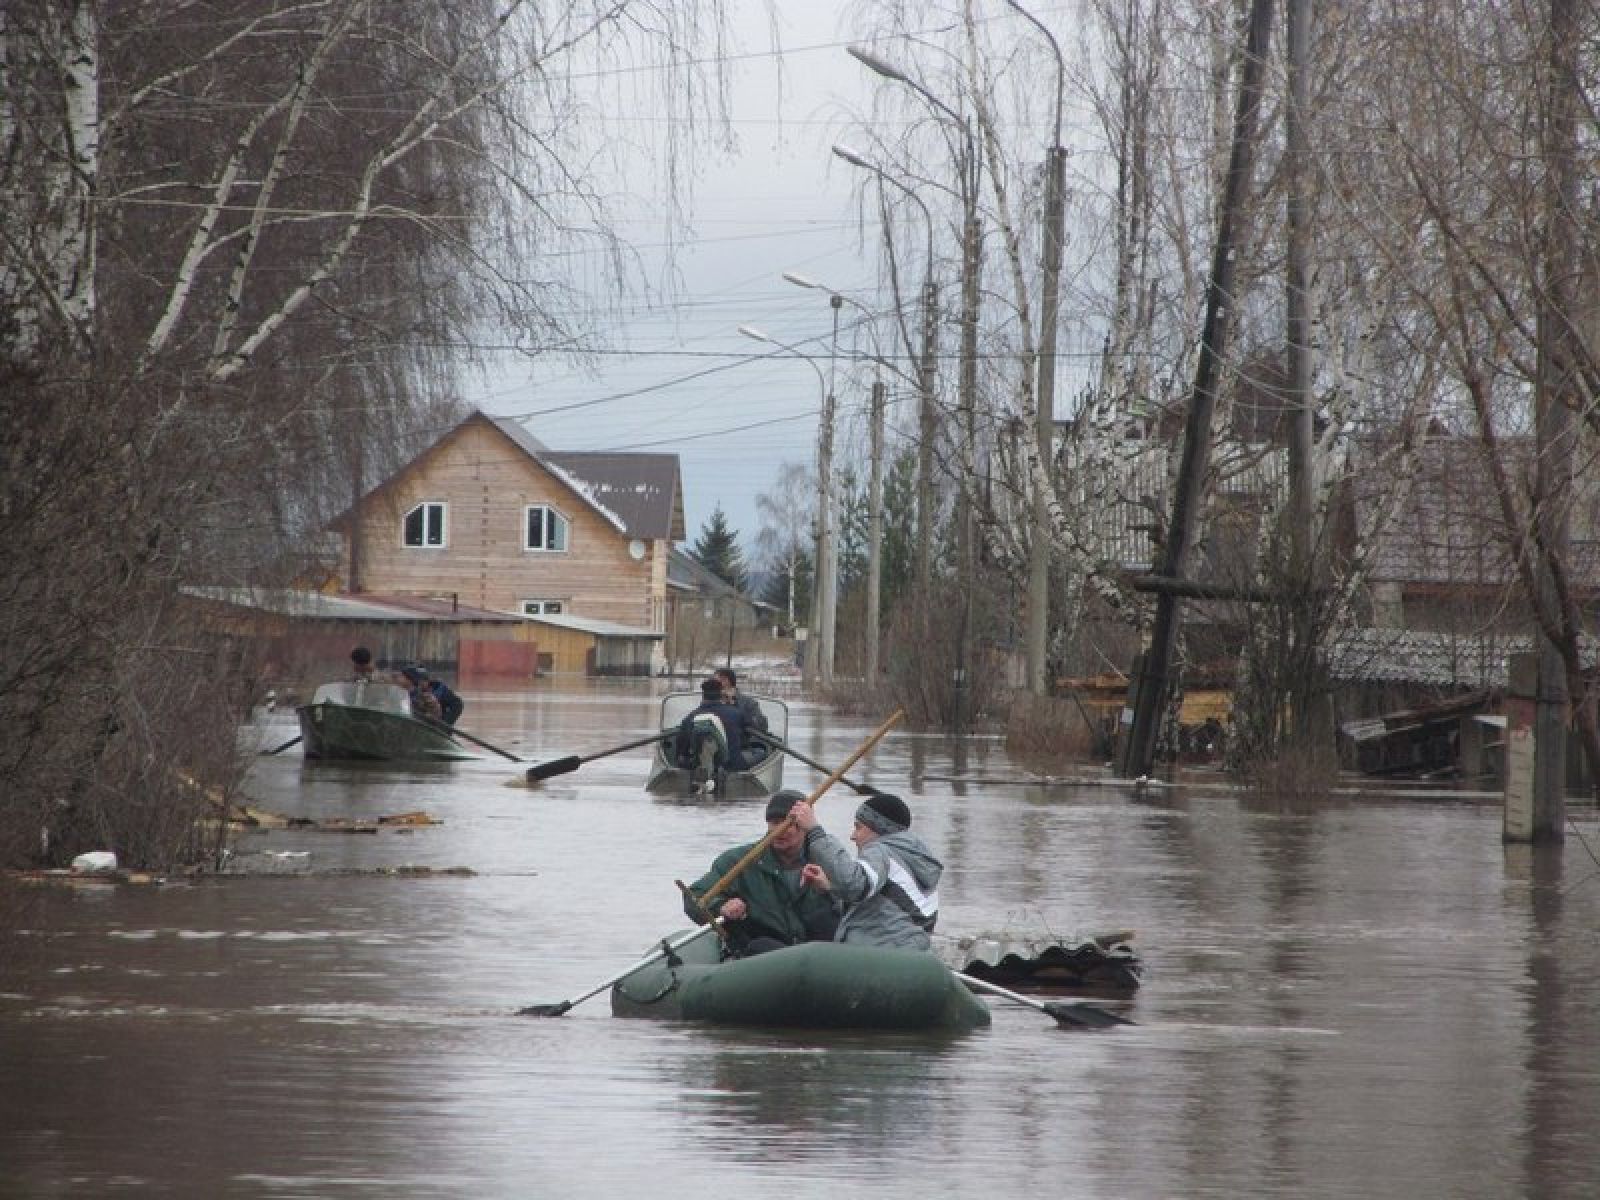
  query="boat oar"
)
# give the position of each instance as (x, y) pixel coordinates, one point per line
(1075, 1014)
(668, 945)
(285, 746)
(560, 766)
(474, 739)
(779, 744)
(756, 851)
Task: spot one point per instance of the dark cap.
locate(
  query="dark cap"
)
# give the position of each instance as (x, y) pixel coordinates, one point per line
(361, 656)
(415, 674)
(710, 687)
(781, 802)
(884, 813)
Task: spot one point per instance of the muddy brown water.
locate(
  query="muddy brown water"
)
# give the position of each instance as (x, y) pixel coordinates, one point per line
(1366, 996)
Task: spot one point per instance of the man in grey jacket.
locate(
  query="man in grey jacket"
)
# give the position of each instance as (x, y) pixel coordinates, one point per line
(890, 888)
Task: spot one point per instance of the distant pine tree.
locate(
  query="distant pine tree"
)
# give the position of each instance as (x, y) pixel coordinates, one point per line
(717, 550)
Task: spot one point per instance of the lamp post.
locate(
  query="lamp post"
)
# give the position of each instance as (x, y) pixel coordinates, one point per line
(927, 363)
(875, 488)
(819, 654)
(969, 169)
(1038, 630)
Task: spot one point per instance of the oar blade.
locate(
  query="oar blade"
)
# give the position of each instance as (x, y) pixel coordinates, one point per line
(546, 1010)
(556, 766)
(1084, 1016)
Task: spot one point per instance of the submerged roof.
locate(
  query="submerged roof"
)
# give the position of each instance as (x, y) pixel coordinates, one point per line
(292, 602)
(591, 625)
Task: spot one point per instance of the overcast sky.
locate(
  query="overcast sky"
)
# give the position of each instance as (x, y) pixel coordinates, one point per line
(782, 203)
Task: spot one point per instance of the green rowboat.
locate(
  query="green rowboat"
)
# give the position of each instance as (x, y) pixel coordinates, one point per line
(818, 985)
(371, 721)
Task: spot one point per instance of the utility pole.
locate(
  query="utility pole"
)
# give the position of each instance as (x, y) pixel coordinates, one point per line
(971, 261)
(827, 550)
(1154, 678)
(875, 533)
(1308, 702)
(1037, 640)
(927, 437)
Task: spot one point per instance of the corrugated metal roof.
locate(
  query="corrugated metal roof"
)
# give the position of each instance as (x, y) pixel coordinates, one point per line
(1417, 656)
(320, 605)
(590, 625)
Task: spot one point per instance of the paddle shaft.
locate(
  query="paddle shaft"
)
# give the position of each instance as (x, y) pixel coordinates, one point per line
(285, 746)
(760, 847)
(780, 744)
(477, 741)
(1075, 1013)
(560, 766)
(667, 947)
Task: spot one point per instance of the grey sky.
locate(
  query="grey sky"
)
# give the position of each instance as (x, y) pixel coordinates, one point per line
(781, 203)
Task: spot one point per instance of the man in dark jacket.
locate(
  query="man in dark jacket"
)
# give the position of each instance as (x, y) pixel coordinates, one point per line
(768, 906)
(890, 889)
(731, 749)
(755, 721)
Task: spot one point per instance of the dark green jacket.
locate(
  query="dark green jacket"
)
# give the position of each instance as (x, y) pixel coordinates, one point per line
(778, 906)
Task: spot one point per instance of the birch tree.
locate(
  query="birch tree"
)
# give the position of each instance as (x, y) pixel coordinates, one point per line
(245, 252)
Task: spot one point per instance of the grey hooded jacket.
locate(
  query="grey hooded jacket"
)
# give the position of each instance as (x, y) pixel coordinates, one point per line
(890, 890)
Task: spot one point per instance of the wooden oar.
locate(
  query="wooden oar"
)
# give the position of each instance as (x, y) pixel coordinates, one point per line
(560, 766)
(285, 746)
(475, 740)
(756, 851)
(668, 945)
(1075, 1014)
(779, 744)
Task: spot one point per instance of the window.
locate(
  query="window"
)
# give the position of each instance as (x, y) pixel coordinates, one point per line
(424, 525)
(546, 529)
(533, 608)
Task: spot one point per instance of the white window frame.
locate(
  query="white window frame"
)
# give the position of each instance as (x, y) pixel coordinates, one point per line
(536, 608)
(443, 530)
(554, 520)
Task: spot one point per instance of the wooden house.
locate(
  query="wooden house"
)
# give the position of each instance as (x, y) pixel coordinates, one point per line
(490, 518)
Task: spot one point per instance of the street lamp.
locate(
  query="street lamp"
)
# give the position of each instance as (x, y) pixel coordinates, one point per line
(1038, 631)
(874, 493)
(927, 410)
(819, 655)
(969, 167)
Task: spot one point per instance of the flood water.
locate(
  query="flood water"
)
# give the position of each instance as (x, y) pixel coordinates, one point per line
(1365, 996)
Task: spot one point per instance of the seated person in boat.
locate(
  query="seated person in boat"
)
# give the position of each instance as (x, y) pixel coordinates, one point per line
(890, 888)
(450, 704)
(730, 748)
(769, 905)
(361, 665)
(749, 709)
(424, 703)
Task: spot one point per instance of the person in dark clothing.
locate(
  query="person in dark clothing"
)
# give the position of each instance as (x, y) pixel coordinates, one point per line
(449, 704)
(769, 905)
(755, 721)
(730, 747)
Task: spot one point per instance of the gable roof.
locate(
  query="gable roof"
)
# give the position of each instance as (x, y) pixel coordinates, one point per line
(1450, 531)
(640, 494)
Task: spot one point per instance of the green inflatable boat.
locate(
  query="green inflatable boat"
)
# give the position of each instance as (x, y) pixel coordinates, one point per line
(819, 985)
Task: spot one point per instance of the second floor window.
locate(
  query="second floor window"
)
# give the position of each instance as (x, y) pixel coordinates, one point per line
(546, 529)
(424, 525)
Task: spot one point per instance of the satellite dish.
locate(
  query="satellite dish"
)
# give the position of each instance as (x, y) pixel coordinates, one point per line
(636, 550)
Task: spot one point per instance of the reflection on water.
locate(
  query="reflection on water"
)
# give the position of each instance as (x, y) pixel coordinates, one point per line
(1358, 997)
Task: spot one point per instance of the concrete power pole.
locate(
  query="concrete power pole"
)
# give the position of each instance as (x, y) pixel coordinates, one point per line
(875, 534)
(1154, 679)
